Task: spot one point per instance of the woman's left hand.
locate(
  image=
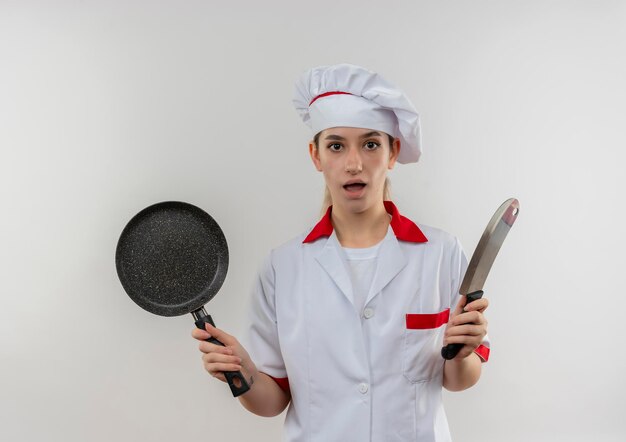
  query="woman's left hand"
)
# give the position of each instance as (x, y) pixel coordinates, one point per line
(467, 326)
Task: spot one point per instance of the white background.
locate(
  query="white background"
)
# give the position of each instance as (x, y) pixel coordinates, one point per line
(107, 107)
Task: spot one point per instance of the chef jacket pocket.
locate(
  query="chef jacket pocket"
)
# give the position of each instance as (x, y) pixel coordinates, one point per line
(423, 338)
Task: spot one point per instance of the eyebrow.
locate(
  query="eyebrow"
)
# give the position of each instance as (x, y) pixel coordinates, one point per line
(365, 135)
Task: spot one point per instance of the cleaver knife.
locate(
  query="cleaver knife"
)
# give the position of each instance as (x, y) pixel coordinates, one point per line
(483, 258)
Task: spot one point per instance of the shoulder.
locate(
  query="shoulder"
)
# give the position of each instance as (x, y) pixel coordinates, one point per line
(444, 248)
(289, 251)
(439, 237)
(440, 245)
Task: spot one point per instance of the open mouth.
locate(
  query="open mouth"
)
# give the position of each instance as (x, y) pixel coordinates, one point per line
(354, 187)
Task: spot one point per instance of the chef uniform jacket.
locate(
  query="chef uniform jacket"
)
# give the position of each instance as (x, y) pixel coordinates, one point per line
(374, 375)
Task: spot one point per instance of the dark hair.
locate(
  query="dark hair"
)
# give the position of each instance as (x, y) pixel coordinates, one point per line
(316, 139)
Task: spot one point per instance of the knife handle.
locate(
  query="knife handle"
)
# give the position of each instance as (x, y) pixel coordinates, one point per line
(451, 350)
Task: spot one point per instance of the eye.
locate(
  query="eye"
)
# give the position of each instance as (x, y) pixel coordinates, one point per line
(371, 145)
(334, 147)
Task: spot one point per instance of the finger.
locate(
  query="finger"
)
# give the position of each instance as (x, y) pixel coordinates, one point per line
(478, 305)
(218, 367)
(219, 375)
(459, 306)
(468, 330)
(208, 347)
(220, 335)
(199, 334)
(463, 352)
(217, 358)
(468, 318)
(466, 340)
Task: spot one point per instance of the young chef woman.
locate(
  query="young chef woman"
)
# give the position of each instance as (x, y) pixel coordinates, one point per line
(348, 319)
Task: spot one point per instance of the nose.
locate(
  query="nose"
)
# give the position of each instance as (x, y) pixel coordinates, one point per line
(354, 164)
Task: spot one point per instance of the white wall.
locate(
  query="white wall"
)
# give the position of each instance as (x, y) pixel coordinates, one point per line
(107, 107)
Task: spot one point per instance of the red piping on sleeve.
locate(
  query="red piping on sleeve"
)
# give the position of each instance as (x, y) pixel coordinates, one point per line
(483, 352)
(283, 383)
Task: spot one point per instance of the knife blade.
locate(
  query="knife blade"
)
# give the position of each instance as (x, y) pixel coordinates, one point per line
(483, 258)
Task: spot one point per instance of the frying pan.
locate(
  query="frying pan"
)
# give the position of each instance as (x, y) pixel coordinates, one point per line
(172, 258)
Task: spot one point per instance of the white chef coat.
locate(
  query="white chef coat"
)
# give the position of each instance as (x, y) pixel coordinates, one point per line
(375, 376)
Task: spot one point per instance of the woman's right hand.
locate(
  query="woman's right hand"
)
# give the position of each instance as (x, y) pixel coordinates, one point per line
(266, 397)
(218, 359)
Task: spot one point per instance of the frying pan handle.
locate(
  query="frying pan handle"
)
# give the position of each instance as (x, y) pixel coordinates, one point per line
(451, 350)
(236, 381)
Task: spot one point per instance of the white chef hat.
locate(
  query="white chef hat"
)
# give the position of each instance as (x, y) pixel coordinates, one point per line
(344, 95)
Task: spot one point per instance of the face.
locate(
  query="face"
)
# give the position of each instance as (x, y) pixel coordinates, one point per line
(354, 162)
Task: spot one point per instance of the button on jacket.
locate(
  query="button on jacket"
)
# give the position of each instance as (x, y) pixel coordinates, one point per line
(374, 375)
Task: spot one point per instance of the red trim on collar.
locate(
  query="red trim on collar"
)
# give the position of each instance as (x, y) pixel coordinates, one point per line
(403, 228)
(323, 228)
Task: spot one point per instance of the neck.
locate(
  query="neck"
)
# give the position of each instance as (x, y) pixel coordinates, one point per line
(362, 229)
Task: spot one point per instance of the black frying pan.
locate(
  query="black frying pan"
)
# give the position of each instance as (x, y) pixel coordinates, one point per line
(172, 258)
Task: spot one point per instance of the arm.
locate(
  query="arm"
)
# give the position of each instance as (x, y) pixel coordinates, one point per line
(265, 397)
(467, 326)
(461, 374)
